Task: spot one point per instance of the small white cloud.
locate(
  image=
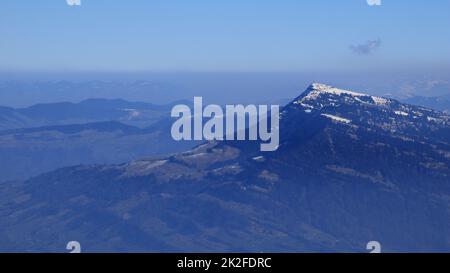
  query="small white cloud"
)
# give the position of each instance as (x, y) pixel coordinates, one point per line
(366, 48)
(374, 2)
(74, 2)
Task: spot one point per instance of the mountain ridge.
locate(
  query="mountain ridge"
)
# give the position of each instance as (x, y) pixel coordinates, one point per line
(331, 186)
(90, 110)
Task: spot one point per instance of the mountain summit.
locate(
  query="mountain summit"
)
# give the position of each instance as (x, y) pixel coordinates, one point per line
(373, 113)
(318, 96)
(351, 168)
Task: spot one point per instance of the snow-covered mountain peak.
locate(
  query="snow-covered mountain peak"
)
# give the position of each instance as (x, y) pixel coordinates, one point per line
(318, 95)
(359, 110)
(323, 88)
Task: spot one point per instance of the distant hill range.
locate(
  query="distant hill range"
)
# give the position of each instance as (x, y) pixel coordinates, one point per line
(45, 137)
(91, 110)
(441, 103)
(351, 168)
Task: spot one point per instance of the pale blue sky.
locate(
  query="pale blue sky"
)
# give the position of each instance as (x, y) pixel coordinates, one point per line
(219, 35)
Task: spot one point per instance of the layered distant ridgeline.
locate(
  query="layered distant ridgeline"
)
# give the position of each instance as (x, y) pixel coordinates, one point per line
(139, 114)
(351, 168)
(441, 103)
(45, 137)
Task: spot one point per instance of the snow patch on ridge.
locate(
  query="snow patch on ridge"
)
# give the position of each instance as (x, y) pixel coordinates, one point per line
(380, 101)
(336, 118)
(401, 113)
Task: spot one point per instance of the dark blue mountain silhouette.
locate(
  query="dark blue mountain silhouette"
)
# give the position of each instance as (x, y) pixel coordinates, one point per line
(351, 168)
